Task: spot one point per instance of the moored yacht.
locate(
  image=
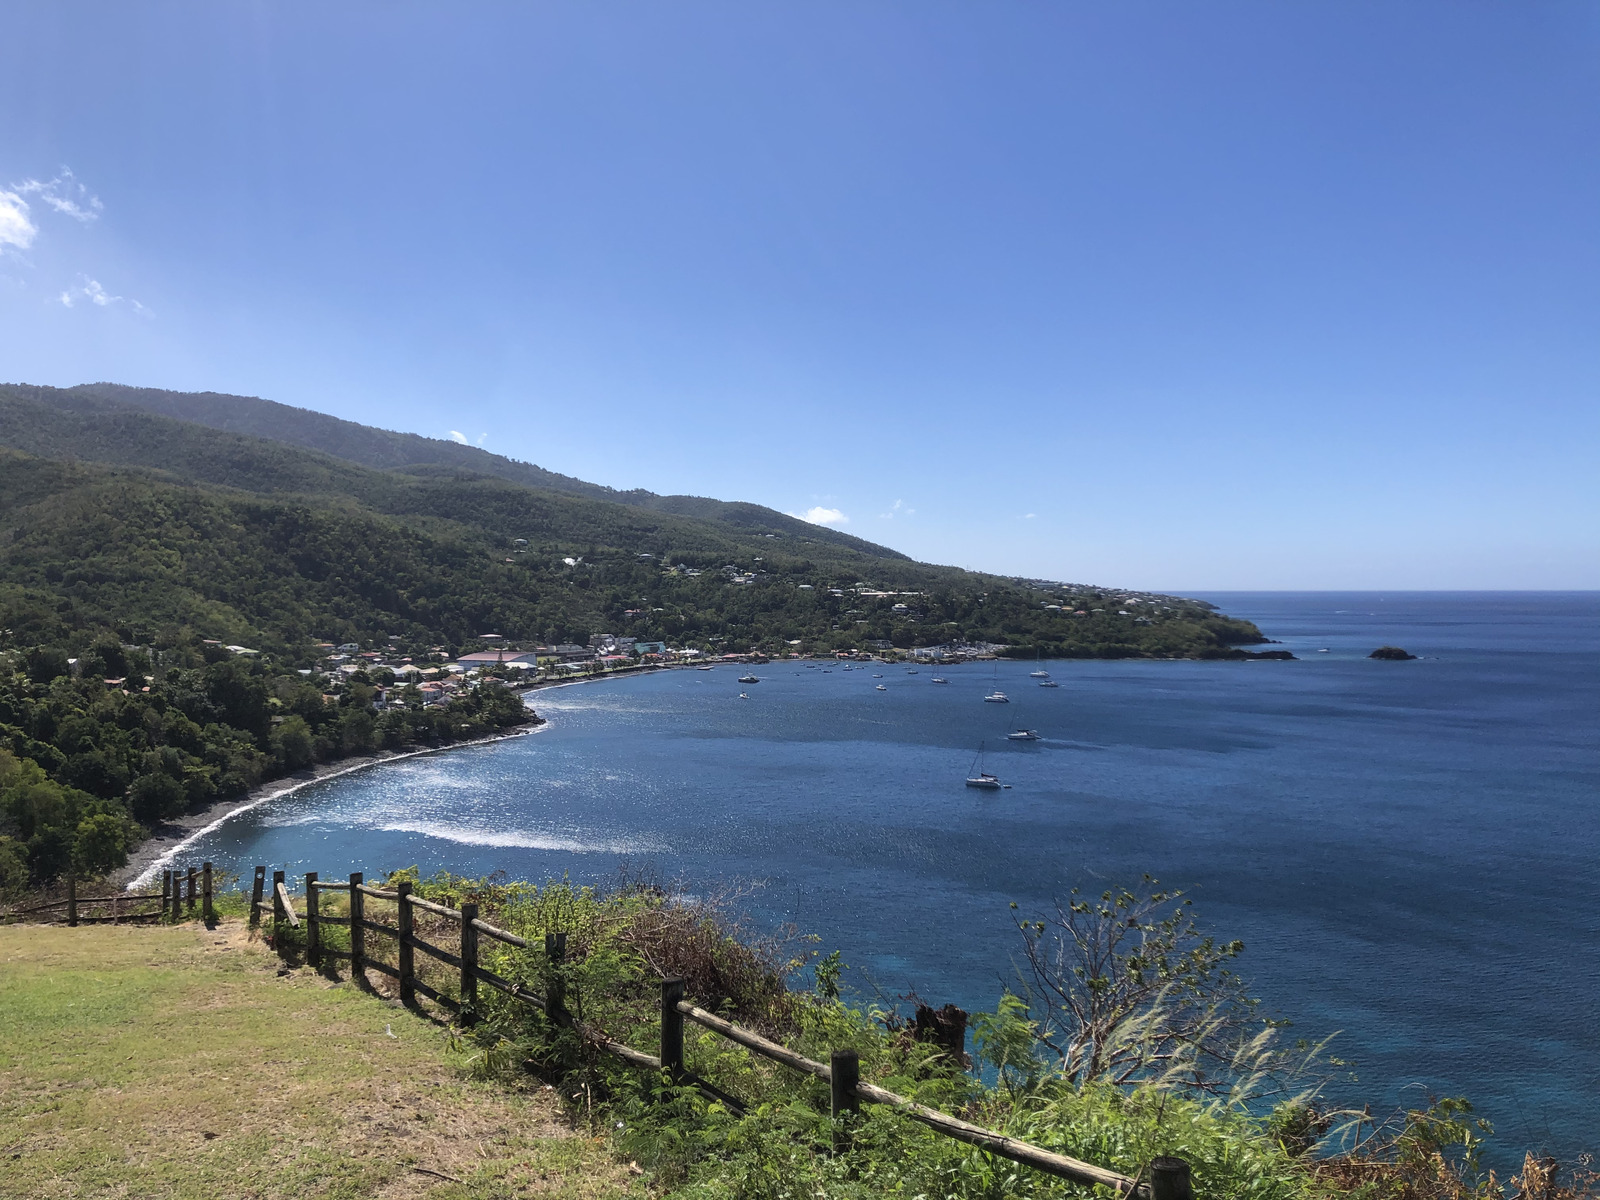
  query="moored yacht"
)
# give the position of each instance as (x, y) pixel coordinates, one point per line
(997, 698)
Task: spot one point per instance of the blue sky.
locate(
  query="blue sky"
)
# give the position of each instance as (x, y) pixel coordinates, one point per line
(1185, 295)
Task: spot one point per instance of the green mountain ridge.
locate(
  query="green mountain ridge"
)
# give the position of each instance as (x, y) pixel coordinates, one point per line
(116, 518)
(383, 449)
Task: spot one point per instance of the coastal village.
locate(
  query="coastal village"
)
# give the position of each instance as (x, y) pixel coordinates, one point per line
(436, 678)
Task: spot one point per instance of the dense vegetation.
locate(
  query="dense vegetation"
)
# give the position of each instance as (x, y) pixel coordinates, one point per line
(87, 765)
(116, 519)
(1250, 1125)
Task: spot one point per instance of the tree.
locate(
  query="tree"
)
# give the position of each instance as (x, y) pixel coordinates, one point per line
(101, 844)
(156, 796)
(292, 743)
(1124, 988)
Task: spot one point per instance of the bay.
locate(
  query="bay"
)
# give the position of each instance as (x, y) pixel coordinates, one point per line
(1408, 850)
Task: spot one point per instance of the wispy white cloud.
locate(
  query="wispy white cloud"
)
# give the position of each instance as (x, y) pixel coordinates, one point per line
(823, 516)
(64, 194)
(897, 509)
(1029, 516)
(17, 229)
(457, 436)
(90, 290)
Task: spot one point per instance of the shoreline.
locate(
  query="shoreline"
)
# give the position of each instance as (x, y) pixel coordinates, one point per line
(169, 839)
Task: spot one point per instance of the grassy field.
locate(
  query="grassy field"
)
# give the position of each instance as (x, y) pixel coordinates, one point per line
(181, 1062)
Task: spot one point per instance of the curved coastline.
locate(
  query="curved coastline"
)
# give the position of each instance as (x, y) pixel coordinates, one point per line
(157, 851)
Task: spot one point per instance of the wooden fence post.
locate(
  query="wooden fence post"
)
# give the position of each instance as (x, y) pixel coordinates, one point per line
(469, 963)
(255, 896)
(672, 1028)
(358, 929)
(277, 910)
(313, 922)
(207, 908)
(190, 897)
(844, 1072)
(72, 901)
(166, 893)
(555, 987)
(407, 955)
(1169, 1179)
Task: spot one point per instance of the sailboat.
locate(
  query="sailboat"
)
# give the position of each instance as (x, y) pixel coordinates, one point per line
(981, 779)
(1038, 671)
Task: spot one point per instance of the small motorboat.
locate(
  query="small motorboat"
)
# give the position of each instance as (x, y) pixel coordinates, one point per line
(744, 695)
(705, 668)
(748, 679)
(1049, 683)
(940, 679)
(997, 698)
(881, 688)
(911, 670)
(875, 676)
(1023, 735)
(1038, 674)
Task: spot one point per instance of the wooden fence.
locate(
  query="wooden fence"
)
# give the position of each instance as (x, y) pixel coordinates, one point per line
(130, 906)
(1167, 1178)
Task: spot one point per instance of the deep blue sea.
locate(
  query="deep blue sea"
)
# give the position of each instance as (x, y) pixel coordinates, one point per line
(1408, 850)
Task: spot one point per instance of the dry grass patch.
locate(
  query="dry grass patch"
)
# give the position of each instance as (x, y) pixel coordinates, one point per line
(180, 1062)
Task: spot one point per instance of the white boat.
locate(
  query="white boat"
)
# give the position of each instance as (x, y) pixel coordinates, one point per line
(877, 676)
(1023, 735)
(705, 668)
(1049, 683)
(940, 679)
(748, 679)
(981, 779)
(911, 670)
(744, 695)
(881, 688)
(1038, 674)
(997, 698)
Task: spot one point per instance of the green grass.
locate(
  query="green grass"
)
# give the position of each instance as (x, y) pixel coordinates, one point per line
(179, 1062)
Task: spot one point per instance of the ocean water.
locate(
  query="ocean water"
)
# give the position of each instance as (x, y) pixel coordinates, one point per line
(1408, 850)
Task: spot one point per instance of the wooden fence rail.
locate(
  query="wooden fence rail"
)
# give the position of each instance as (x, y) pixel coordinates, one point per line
(1165, 1179)
(178, 896)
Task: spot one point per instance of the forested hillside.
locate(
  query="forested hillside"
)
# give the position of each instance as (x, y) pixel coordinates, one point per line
(90, 411)
(155, 528)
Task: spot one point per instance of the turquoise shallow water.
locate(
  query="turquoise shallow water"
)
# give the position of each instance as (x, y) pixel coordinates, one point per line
(1409, 850)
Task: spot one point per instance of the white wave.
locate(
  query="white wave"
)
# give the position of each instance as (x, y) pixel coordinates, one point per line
(145, 877)
(519, 838)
